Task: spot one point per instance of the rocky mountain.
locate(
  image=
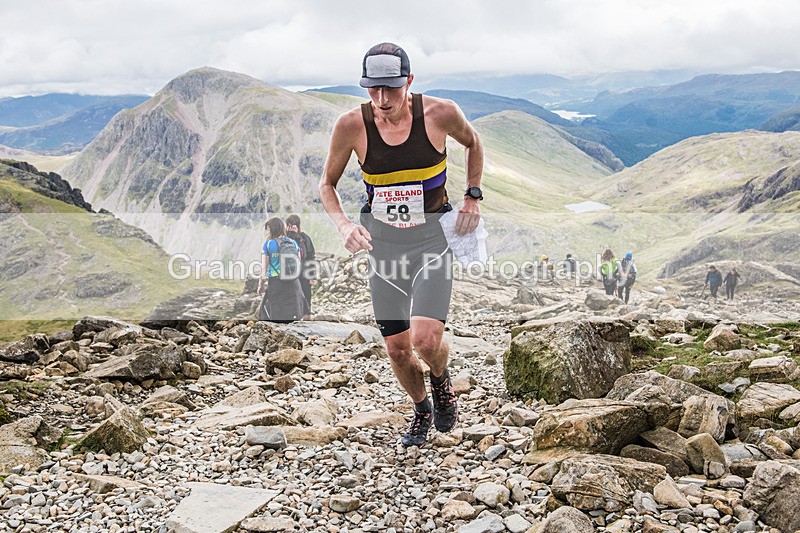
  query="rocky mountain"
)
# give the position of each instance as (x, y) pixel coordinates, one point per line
(201, 165)
(62, 261)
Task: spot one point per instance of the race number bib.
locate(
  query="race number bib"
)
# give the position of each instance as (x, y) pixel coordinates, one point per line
(401, 206)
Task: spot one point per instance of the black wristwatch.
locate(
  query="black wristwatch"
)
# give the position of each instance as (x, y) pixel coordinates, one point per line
(474, 192)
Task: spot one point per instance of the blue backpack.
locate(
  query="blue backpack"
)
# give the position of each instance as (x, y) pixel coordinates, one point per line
(289, 254)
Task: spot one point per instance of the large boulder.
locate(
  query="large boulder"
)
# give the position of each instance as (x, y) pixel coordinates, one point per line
(674, 391)
(707, 413)
(286, 359)
(27, 350)
(122, 432)
(567, 519)
(705, 456)
(774, 493)
(596, 426)
(723, 337)
(96, 324)
(268, 339)
(676, 467)
(570, 359)
(598, 300)
(21, 441)
(591, 482)
(140, 362)
(766, 400)
(778, 368)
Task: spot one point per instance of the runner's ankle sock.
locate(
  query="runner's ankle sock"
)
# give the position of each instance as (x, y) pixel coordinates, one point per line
(424, 406)
(441, 379)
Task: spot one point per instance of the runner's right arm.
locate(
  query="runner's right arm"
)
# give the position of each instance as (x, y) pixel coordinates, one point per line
(354, 236)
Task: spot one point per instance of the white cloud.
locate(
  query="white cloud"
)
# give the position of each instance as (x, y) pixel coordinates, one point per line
(114, 46)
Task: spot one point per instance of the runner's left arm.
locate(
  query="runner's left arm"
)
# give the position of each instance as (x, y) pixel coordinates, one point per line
(462, 131)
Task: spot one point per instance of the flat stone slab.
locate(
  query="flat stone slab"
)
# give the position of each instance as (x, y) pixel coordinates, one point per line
(213, 508)
(336, 330)
(226, 417)
(104, 484)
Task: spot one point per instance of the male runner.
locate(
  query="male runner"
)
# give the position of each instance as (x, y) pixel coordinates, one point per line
(399, 139)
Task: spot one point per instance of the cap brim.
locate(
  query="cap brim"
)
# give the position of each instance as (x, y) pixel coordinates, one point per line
(395, 83)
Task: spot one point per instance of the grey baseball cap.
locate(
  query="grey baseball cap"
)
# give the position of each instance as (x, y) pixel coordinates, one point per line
(385, 64)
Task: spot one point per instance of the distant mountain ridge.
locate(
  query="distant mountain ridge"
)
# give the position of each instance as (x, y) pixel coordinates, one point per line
(636, 123)
(59, 123)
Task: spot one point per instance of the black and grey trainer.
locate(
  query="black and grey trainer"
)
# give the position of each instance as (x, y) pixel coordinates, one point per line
(417, 431)
(445, 406)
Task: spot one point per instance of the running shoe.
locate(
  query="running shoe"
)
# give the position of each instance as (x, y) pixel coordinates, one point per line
(445, 406)
(417, 430)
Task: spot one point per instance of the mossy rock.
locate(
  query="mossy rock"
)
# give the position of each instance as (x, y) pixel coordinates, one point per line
(570, 359)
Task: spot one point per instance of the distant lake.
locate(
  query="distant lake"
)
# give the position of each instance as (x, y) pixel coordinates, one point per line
(586, 207)
(571, 115)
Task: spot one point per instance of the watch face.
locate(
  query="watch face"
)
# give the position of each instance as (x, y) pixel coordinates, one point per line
(474, 192)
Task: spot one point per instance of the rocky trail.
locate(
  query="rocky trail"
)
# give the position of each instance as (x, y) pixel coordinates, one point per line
(670, 414)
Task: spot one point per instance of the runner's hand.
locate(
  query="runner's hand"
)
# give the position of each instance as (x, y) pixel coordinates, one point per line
(468, 216)
(355, 238)
(260, 287)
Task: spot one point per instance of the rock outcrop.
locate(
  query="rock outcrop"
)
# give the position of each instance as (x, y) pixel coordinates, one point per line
(568, 360)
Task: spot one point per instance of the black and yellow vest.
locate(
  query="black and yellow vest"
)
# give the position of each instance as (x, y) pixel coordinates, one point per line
(416, 160)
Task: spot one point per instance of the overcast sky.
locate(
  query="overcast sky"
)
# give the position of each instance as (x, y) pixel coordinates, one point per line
(136, 46)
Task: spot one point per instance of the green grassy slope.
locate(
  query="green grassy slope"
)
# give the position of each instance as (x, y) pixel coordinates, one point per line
(62, 263)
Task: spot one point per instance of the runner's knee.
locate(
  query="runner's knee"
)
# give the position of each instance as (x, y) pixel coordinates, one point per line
(426, 340)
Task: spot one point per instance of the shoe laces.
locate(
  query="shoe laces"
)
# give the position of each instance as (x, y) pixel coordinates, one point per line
(444, 392)
(416, 424)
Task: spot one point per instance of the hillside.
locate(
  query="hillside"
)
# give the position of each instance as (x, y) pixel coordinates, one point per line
(62, 262)
(201, 164)
(733, 196)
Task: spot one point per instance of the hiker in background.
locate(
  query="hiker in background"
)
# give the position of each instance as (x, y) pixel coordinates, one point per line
(307, 255)
(283, 299)
(570, 266)
(609, 271)
(627, 276)
(547, 268)
(731, 280)
(713, 280)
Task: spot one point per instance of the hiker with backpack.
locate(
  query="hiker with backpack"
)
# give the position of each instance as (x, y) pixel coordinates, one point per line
(713, 280)
(283, 299)
(307, 255)
(627, 276)
(609, 272)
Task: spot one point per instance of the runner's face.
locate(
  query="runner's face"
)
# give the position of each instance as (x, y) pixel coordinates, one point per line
(389, 101)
